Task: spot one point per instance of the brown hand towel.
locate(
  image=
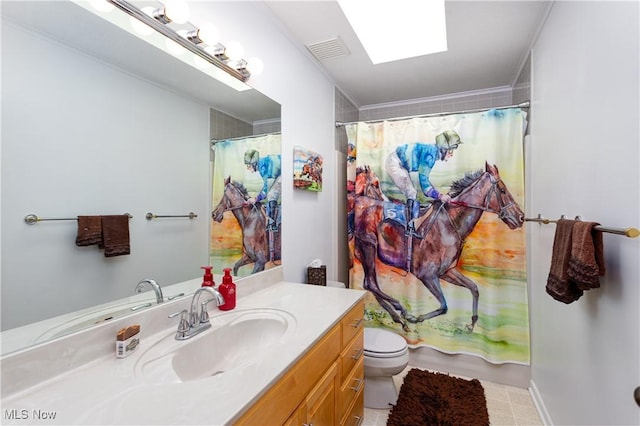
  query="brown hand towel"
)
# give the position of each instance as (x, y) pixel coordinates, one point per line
(587, 259)
(559, 286)
(115, 235)
(89, 230)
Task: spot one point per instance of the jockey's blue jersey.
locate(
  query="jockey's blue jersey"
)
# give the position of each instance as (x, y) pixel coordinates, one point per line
(269, 167)
(420, 157)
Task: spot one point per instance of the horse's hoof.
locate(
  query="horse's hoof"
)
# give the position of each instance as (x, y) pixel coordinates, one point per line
(469, 328)
(406, 328)
(411, 319)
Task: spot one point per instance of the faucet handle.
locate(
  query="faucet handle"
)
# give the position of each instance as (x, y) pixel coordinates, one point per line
(204, 314)
(183, 324)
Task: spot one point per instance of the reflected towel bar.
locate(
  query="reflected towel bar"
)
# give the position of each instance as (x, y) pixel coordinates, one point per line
(151, 216)
(32, 219)
(628, 232)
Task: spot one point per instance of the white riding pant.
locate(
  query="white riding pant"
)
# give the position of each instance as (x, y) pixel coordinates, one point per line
(400, 176)
(276, 189)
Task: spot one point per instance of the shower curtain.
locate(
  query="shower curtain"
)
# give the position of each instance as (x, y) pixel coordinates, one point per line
(493, 255)
(226, 243)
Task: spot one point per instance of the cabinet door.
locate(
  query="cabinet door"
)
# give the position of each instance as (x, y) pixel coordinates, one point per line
(320, 404)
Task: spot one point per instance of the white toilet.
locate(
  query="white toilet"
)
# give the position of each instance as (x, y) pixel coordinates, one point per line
(385, 355)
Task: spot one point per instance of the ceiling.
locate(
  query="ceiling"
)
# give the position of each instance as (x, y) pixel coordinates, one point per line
(488, 43)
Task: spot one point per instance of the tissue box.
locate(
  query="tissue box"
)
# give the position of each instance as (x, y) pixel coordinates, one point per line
(317, 276)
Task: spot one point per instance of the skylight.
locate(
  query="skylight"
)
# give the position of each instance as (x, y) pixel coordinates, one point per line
(398, 29)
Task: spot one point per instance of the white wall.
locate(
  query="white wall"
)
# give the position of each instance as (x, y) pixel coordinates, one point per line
(292, 79)
(82, 138)
(584, 161)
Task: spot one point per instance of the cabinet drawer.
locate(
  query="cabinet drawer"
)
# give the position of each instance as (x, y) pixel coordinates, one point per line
(280, 401)
(351, 387)
(352, 323)
(355, 416)
(352, 354)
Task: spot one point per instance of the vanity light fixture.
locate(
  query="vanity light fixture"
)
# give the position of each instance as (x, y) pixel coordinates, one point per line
(173, 11)
(207, 34)
(202, 42)
(252, 66)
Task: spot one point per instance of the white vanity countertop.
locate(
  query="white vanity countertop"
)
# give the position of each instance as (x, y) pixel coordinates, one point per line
(106, 391)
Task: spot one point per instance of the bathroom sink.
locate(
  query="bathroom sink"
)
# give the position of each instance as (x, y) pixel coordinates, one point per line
(235, 340)
(94, 317)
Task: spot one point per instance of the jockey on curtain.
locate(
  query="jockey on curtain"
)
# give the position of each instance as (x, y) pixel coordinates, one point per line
(421, 158)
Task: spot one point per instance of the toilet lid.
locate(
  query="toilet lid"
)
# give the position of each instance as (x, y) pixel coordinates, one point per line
(382, 343)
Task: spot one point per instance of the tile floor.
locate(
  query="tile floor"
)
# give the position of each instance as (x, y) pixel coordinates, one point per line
(507, 406)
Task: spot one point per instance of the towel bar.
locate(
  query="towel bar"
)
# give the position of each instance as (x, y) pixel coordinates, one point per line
(628, 232)
(151, 216)
(32, 219)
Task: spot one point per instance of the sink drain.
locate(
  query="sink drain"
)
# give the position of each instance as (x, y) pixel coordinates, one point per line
(216, 373)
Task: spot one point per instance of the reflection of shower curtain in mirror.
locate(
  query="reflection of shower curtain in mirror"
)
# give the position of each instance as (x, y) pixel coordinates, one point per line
(240, 238)
(492, 256)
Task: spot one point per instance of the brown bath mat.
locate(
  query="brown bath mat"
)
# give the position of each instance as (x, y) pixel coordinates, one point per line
(438, 399)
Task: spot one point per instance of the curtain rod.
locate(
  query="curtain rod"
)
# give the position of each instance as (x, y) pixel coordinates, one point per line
(215, 141)
(627, 232)
(525, 104)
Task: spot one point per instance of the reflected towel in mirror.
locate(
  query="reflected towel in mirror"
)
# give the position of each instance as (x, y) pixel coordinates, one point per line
(89, 230)
(115, 235)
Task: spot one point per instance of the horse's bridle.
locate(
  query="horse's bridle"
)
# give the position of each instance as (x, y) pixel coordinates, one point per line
(494, 190)
(228, 208)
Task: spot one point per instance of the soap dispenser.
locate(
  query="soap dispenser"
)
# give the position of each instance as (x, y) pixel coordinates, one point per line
(207, 280)
(228, 291)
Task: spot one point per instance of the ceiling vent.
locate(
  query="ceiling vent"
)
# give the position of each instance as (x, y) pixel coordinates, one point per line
(328, 49)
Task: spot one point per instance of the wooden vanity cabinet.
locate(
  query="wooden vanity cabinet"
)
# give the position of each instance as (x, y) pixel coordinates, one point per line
(351, 395)
(326, 387)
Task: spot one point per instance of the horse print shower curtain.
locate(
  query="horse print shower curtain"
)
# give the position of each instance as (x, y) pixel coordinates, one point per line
(447, 270)
(240, 235)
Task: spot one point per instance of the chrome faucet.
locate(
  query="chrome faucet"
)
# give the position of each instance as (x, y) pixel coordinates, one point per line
(196, 321)
(156, 288)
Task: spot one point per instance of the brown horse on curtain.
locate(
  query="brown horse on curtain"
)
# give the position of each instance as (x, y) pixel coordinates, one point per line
(252, 221)
(444, 229)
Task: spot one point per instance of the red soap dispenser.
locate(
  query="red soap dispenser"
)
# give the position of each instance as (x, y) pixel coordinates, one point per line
(207, 280)
(228, 291)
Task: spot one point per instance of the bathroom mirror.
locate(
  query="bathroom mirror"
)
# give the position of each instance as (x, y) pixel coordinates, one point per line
(97, 121)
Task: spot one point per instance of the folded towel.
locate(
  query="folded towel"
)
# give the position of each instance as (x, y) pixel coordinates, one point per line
(559, 286)
(89, 230)
(587, 260)
(115, 235)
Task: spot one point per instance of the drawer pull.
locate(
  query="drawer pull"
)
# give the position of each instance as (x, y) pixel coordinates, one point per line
(357, 323)
(358, 386)
(358, 354)
(358, 420)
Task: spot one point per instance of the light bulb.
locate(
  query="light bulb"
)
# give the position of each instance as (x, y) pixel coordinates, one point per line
(177, 11)
(234, 50)
(209, 34)
(255, 66)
